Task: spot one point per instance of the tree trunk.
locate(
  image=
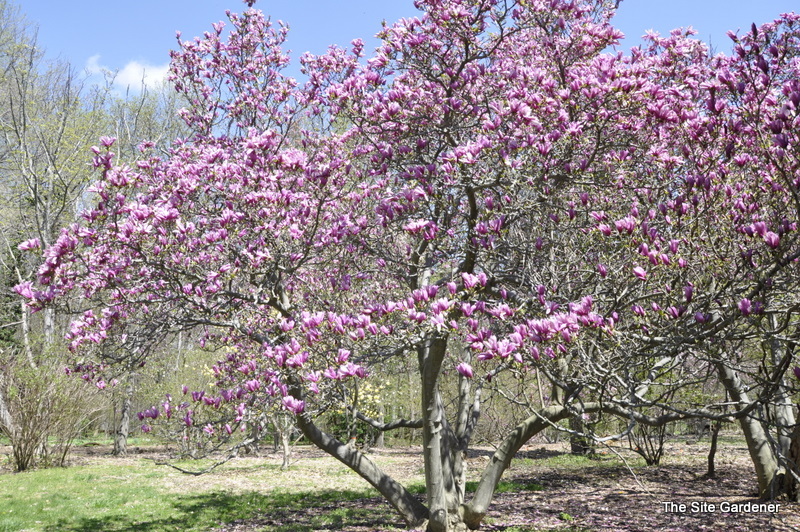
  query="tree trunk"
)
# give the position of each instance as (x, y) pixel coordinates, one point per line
(761, 452)
(379, 438)
(410, 509)
(49, 326)
(286, 447)
(783, 413)
(284, 425)
(437, 440)
(351, 418)
(712, 451)
(579, 443)
(791, 480)
(475, 511)
(27, 342)
(121, 436)
(6, 420)
(467, 417)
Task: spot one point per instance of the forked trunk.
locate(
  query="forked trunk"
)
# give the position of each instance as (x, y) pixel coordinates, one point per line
(284, 427)
(475, 511)
(442, 466)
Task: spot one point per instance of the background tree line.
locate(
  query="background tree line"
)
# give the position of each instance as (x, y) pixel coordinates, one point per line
(50, 116)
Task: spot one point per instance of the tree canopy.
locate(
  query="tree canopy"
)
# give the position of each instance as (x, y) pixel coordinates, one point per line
(494, 188)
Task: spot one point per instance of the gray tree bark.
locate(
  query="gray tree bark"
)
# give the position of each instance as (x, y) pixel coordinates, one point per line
(6, 420)
(761, 452)
(712, 451)
(412, 511)
(783, 412)
(443, 500)
(123, 429)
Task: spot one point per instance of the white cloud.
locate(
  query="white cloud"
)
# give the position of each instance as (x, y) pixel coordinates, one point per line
(131, 77)
(93, 65)
(134, 74)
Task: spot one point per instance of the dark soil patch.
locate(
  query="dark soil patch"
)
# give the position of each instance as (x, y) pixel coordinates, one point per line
(610, 499)
(602, 498)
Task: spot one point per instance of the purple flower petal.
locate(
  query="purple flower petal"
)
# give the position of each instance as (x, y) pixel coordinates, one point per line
(465, 369)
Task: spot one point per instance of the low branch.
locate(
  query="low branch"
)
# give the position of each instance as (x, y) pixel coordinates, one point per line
(475, 510)
(412, 511)
(391, 425)
(196, 473)
(233, 453)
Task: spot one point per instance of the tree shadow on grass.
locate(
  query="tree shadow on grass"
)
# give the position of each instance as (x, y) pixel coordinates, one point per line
(277, 512)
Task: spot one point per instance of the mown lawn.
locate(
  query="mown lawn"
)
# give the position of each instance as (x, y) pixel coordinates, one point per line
(108, 494)
(103, 493)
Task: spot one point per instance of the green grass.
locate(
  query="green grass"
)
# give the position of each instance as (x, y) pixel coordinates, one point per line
(141, 496)
(137, 495)
(134, 494)
(200, 511)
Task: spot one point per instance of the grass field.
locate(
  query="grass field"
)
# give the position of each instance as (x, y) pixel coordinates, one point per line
(106, 493)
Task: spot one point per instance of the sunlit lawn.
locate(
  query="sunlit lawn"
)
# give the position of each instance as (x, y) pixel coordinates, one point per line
(138, 495)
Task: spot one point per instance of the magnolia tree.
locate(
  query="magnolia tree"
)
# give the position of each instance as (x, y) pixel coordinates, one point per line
(697, 249)
(421, 203)
(692, 244)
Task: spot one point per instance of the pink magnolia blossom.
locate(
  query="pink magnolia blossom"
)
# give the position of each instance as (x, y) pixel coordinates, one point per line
(33, 243)
(465, 369)
(745, 307)
(295, 406)
(429, 206)
(772, 239)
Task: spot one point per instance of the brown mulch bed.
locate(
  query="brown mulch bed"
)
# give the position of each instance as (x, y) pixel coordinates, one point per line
(601, 499)
(612, 500)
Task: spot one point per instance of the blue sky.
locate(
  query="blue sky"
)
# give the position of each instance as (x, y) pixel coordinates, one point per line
(133, 35)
